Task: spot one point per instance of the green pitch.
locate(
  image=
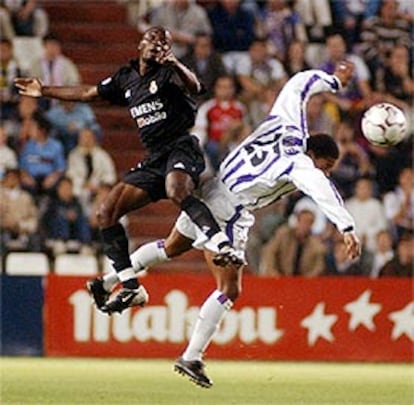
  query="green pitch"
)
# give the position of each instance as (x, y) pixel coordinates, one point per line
(94, 381)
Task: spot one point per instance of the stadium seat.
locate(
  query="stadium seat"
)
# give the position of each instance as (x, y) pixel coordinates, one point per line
(27, 264)
(73, 264)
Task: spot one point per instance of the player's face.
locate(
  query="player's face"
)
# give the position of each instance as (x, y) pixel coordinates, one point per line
(326, 164)
(153, 42)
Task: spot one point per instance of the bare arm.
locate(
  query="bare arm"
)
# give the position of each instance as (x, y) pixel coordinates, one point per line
(188, 78)
(33, 87)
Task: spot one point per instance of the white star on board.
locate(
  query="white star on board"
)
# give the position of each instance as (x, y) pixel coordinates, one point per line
(403, 322)
(319, 324)
(362, 311)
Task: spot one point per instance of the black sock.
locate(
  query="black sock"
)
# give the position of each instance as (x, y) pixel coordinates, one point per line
(115, 246)
(200, 215)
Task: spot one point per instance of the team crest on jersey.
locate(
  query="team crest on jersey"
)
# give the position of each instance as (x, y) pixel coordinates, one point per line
(153, 88)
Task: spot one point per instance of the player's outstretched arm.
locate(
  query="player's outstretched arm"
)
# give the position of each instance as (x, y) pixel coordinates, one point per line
(33, 87)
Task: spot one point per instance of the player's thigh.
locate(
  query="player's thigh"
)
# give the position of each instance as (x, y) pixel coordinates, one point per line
(122, 199)
(187, 157)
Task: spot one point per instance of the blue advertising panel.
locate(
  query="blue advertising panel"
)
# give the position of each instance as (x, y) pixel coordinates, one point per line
(21, 315)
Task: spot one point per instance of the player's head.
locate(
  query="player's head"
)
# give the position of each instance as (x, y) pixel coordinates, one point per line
(154, 41)
(323, 150)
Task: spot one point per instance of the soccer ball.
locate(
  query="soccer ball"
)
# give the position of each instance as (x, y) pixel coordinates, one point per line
(384, 124)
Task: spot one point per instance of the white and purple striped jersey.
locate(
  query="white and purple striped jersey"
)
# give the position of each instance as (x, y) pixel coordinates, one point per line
(271, 162)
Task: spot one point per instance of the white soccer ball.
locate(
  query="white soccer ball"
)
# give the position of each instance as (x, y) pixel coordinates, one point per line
(384, 124)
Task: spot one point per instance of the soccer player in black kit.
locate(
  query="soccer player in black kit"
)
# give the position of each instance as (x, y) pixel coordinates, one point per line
(155, 89)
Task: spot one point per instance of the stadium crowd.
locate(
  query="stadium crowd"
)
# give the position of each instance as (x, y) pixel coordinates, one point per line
(54, 170)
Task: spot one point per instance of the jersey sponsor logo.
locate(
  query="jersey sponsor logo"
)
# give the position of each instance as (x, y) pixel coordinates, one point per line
(146, 108)
(151, 119)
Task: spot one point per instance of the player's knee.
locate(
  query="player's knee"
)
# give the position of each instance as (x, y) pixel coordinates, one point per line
(177, 193)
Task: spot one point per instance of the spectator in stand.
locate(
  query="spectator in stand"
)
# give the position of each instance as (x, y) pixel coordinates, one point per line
(383, 252)
(388, 162)
(257, 70)
(42, 160)
(216, 118)
(8, 157)
(183, 18)
(233, 30)
(347, 16)
(28, 18)
(89, 166)
(319, 119)
(6, 25)
(295, 58)
(353, 162)
(368, 213)
(394, 80)
(399, 204)
(381, 33)
(18, 127)
(281, 24)
(65, 224)
(9, 71)
(18, 215)
(205, 62)
(68, 118)
(317, 17)
(293, 250)
(356, 96)
(402, 264)
(54, 68)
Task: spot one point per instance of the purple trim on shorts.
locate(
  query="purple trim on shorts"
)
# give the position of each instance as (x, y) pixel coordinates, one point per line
(222, 298)
(231, 222)
(161, 243)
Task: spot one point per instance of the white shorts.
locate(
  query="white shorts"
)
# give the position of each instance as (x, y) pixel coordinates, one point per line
(234, 220)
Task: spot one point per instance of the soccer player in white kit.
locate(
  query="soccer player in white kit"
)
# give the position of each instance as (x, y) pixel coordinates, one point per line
(276, 159)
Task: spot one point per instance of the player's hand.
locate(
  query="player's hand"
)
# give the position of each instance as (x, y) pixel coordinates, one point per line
(353, 245)
(30, 86)
(166, 56)
(344, 71)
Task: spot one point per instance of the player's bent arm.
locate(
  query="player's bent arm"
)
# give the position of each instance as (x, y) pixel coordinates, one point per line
(188, 78)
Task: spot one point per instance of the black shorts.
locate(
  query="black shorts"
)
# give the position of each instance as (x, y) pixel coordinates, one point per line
(185, 154)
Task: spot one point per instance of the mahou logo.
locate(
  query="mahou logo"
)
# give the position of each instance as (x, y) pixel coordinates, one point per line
(172, 322)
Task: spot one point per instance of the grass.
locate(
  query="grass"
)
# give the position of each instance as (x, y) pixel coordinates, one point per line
(98, 381)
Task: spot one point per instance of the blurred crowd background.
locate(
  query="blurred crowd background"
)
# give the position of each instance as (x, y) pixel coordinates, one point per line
(54, 169)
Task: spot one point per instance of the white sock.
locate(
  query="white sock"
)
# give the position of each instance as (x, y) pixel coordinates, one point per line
(149, 254)
(211, 313)
(145, 256)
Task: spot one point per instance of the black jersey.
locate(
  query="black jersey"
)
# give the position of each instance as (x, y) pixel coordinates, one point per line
(161, 108)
